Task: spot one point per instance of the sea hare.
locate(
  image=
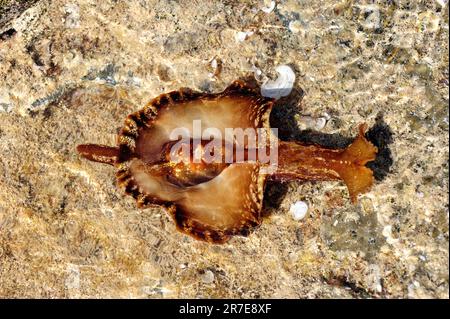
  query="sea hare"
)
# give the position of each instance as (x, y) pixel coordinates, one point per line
(216, 199)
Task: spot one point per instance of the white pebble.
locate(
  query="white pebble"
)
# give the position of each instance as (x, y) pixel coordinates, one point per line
(442, 3)
(298, 210)
(214, 63)
(326, 116)
(270, 8)
(387, 231)
(320, 123)
(282, 86)
(208, 277)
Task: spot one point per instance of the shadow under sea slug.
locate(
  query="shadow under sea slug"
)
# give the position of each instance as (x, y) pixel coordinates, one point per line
(214, 200)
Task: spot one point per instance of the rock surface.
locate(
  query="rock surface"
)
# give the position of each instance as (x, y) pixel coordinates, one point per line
(11, 9)
(70, 72)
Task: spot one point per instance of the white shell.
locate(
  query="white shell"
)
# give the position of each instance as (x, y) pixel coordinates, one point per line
(298, 210)
(308, 122)
(242, 36)
(442, 3)
(208, 277)
(282, 86)
(270, 8)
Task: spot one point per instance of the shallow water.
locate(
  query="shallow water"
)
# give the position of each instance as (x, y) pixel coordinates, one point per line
(72, 70)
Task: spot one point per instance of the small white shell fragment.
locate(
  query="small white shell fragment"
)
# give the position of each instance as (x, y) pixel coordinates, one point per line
(442, 3)
(215, 66)
(282, 86)
(270, 8)
(387, 230)
(320, 123)
(214, 63)
(295, 26)
(241, 36)
(309, 122)
(298, 210)
(208, 277)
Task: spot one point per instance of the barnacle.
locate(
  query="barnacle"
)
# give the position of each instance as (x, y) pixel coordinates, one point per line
(214, 200)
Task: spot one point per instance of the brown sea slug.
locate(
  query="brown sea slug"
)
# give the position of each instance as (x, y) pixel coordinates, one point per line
(214, 200)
